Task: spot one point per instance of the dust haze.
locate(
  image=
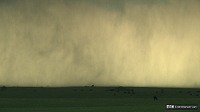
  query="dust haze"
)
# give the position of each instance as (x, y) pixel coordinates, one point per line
(151, 43)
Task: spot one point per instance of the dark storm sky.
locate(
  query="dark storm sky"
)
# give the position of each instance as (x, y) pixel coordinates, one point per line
(101, 42)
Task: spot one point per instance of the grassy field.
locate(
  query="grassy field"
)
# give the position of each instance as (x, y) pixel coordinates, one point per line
(95, 99)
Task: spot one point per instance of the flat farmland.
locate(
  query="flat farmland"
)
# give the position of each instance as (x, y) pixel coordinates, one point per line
(95, 99)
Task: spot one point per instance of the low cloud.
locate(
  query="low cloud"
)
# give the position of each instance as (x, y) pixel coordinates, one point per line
(106, 43)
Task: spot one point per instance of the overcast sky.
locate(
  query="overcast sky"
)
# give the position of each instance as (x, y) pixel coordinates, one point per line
(100, 42)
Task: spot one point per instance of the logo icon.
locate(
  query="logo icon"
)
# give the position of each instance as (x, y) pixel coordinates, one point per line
(170, 106)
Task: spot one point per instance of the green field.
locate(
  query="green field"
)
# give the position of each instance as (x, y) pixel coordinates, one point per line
(95, 99)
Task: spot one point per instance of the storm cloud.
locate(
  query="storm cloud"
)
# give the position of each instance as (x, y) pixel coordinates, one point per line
(101, 42)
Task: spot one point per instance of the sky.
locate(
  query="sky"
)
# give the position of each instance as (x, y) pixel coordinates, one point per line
(140, 43)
